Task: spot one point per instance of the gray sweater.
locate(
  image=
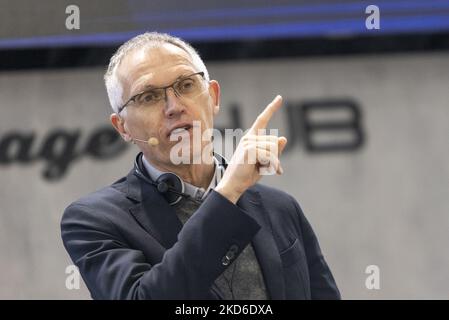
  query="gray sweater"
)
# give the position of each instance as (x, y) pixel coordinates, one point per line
(243, 279)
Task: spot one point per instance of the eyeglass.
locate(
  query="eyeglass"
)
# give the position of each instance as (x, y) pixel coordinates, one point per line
(189, 87)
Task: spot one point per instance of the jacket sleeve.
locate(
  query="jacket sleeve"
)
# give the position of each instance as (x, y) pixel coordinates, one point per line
(322, 283)
(113, 270)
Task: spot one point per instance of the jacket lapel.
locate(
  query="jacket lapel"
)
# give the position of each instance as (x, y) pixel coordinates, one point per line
(156, 216)
(153, 212)
(265, 247)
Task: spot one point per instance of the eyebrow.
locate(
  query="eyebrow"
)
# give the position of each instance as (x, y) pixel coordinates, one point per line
(150, 86)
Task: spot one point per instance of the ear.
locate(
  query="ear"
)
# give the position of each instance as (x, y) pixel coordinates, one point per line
(119, 124)
(214, 91)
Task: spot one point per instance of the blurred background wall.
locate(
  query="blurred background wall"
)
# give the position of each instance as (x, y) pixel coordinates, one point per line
(365, 111)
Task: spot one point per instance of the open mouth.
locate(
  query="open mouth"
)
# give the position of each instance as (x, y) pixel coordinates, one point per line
(180, 130)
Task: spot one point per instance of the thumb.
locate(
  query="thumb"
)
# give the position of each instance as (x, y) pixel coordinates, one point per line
(282, 142)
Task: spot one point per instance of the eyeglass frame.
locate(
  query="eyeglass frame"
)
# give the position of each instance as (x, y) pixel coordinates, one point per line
(133, 98)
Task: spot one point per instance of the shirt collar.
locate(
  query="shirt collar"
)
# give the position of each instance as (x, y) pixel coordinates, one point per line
(195, 192)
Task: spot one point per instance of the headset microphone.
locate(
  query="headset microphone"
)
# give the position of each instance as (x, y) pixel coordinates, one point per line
(152, 141)
(168, 184)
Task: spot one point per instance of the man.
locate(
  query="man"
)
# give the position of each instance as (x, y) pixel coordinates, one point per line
(197, 230)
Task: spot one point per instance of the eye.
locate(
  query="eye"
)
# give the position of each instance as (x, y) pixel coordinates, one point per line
(150, 97)
(186, 85)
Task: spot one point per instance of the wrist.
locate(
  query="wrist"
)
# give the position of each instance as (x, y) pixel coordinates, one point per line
(228, 193)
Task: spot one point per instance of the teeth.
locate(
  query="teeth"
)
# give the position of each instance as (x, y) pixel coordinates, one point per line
(179, 130)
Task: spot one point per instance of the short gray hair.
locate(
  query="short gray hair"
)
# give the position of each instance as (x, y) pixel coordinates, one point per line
(114, 87)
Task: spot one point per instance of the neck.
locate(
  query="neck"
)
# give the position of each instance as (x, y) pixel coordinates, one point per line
(198, 175)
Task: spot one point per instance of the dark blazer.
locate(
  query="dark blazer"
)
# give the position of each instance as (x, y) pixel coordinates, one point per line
(128, 243)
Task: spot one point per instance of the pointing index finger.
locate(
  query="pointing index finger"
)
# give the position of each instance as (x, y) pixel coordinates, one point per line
(265, 116)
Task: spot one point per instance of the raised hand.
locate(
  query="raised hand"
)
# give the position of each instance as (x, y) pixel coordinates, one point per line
(256, 155)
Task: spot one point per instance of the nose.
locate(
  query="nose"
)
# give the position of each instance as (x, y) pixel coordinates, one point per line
(173, 104)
